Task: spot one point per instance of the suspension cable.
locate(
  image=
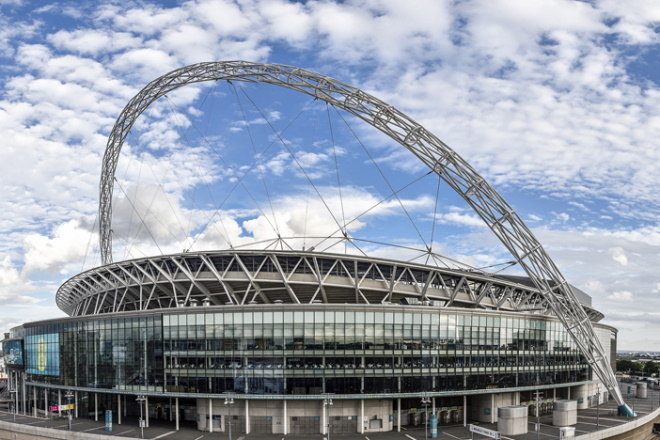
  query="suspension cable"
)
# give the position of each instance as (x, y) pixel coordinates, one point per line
(293, 156)
(254, 163)
(371, 208)
(262, 177)
(138, 214)
(380, 171)
(334, 151)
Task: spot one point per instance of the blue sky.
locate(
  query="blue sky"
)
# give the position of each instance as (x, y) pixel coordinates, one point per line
(555, 102)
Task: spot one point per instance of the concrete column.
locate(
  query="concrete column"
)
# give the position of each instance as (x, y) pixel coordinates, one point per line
(146, 411)
(34, 397)
(324, 425)
(75, 403)
(569, 393)
(554, 394)
(176, 412)
(170, 411)
(46, 401)
(464, 410)
(210, 415)
(25, 394)
(493, 411)
(361, 416)
(398, 415)
(247, 416)
(286, 420)
(59, 397)
(119, 409)
(96, 407)
(433, 405)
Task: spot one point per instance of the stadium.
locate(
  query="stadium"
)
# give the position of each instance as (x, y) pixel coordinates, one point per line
(302, 341)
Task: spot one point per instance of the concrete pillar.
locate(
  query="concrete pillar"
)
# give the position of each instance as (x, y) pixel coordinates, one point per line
(146, 411)
(96, 407)
(398, 415)
(286, 420)
(59, 397)
(324, 419)
(75, 403)
(24, 389)
(176, 412)
(210, 415)
(170, 411)
(247, 416)
(119, 409)
(34, 398)
(464, 410)
(46, 401)
(493, 410)
(361, 416)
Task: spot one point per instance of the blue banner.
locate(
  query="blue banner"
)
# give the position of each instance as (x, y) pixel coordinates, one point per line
(43, 354)
(108, 420)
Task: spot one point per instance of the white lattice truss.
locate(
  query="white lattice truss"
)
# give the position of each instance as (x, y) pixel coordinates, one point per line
(454, 170)
(271, 277)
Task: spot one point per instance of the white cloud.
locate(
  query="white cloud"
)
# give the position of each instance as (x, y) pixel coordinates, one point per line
(67, 246)
(619, 255)
(622, 295)
(540, 97)
(14, 287)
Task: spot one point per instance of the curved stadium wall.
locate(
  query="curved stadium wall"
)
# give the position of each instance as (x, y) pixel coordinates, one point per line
(252, 337)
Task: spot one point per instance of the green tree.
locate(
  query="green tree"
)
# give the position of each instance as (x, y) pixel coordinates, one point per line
(651, 368)
(624, 365)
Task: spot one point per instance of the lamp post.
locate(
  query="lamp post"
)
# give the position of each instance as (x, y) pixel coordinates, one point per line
(69, 395)
(326, 403)
(141, 400)
(538, 415)
(425, 401)
(229, 401)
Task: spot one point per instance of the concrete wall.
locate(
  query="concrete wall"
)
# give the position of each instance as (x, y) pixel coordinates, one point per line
(12, 431)
(484, 407)
(380, 409)
(640, 429)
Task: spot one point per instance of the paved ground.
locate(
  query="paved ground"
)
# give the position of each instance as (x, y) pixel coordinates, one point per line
(588, 420)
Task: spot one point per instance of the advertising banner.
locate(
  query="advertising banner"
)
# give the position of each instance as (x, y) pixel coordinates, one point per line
(13, 352)
(43, 354)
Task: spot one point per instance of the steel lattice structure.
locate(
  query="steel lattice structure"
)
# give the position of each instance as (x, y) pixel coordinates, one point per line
(500, 217)
(270, 277)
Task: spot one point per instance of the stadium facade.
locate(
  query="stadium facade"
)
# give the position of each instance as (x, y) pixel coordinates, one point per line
(288, 342)
(294, 342)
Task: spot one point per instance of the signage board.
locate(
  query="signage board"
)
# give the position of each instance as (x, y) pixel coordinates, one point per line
(484, 431)
(58, 408)
(13, 352)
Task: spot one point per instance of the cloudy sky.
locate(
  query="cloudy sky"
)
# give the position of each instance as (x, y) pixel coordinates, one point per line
(556, 103)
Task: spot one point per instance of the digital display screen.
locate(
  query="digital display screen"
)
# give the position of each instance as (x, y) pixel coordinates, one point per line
(43, 354)
(13, 352)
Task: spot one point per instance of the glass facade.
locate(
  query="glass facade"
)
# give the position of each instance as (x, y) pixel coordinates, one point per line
(308, 349)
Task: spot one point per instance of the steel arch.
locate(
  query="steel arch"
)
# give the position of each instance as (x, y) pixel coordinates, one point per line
(452, 168)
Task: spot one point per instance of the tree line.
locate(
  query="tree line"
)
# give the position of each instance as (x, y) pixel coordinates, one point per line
(646, 369)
